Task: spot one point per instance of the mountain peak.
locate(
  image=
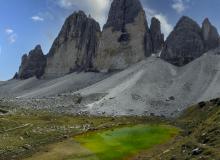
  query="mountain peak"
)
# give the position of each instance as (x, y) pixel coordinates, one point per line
(206, 21)
(184, 44)
(32, 64)
(123, 12)
(76, 44)
(156, 35)
(187, 22)
(210, 35)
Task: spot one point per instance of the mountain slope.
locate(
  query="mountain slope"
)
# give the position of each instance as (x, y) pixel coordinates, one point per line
(202, 139)
(152, 86)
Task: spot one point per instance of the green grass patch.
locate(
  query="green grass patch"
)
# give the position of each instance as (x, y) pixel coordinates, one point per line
(126, 141)
(24, 132)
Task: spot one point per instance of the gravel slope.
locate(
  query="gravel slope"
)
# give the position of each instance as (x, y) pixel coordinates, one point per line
(156, 87)
(48, 87)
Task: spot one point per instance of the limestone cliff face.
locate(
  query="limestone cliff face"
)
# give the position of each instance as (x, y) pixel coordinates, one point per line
(125, 39)
(156, 35)
(188, 41)
(33, 64)
(184, 44)
(210, 35)
(75, 46)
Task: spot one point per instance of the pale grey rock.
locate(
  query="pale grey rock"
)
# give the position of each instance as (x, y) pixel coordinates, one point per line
(75, 46)
(125, 38)
(33, 64)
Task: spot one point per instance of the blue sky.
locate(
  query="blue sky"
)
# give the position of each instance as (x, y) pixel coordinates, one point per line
(26, 23)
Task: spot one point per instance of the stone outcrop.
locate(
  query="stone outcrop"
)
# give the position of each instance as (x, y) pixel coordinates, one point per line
(188, 41)
(184, 44)
(210, 35)
(33, 64)
(156, 35)
(75, 46)
(125, 38)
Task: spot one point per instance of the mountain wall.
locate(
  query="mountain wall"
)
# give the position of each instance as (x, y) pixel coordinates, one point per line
(33, 64)
(75, 46)
(189, 41)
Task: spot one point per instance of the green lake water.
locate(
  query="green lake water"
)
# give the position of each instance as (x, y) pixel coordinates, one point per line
(123, 142)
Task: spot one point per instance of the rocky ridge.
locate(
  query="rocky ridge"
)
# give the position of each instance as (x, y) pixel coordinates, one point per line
(156, 35)
(75, 46)
(210, 35)
(188, 41)
(125, 38)
(32, 64)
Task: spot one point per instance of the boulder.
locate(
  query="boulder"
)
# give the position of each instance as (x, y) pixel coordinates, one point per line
(125, 38)
(33, 64)
(75, 46)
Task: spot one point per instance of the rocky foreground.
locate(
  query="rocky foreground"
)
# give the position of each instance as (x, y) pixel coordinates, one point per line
(24, 132)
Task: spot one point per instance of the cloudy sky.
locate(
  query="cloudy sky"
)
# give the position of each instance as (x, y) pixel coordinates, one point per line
(25, 23)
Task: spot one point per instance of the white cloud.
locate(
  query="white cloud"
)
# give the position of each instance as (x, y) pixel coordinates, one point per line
(166, 27)
(97, 8)
(9, 31)
(179, 6)
(37, 18)
(11, 35)
(12, 38)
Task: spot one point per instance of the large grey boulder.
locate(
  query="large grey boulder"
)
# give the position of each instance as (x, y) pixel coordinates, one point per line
(33, 64)
(184, 44)
(125, 38)
(210, 35)
(75, 46)
(156, 35)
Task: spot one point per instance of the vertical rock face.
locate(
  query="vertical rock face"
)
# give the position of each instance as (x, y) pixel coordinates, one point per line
(210, 35)
(156, 35)
(121, 13)
(188, 41)
(125, 38)
(75, 46)
(184, 44)
(32, 64)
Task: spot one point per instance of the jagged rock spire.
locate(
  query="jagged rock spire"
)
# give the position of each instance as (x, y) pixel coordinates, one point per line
(122, 12)
(156, 35)
(184, 44)
(75, 46)
(125, 38)
(188, 41)
(210, 35)
(33, 64)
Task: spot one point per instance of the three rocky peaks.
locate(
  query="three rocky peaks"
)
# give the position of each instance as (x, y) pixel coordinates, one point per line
(125, 39)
